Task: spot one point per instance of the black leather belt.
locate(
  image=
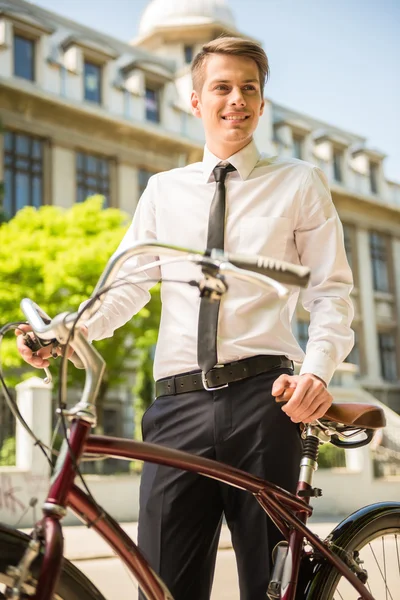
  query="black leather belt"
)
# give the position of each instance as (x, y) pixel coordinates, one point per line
(221, 376)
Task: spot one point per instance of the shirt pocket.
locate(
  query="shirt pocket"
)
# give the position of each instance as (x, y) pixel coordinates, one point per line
(267, 236)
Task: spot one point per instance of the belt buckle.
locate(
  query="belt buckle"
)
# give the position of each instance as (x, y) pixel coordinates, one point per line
(211, 389)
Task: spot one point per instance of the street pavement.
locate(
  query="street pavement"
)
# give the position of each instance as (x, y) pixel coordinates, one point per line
(92, 556)
(82, 543)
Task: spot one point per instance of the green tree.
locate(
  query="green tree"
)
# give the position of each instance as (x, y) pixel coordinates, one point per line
(55, 257)
(7, 453)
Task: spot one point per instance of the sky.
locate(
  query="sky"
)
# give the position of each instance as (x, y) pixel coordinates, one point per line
(334, 60)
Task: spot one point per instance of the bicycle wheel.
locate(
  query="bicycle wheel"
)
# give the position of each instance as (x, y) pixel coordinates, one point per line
(376, 548)
(72, 585)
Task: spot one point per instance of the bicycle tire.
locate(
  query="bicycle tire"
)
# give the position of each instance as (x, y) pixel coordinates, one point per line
(358, 537)
(72, 585)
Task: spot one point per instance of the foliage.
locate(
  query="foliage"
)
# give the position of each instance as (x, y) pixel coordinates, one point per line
(55, 256)
(330, 457)
(7, 453)
(147, 323)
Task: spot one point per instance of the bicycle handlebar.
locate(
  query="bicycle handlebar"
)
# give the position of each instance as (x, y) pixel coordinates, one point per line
(271, 270)
(284, 272)
(41, 323)
(260, 270)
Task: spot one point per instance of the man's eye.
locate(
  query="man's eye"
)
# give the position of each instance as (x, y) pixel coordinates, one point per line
(221, 87)
(249, 87)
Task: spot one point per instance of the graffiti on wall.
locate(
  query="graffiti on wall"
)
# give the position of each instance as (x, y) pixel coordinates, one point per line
(18, 491)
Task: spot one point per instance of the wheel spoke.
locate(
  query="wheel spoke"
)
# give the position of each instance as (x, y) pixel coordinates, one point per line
(380, 571)
(384, 562)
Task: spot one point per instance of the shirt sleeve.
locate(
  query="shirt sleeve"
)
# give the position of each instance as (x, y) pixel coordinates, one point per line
(320, 245)
(130, 291)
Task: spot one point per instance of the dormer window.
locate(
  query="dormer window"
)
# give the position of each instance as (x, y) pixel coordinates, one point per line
(297, 146)
(92, 74)
(188, 51)
(152, 99)
(373, 177)
(337, 156)
(24, 57)
(367, 163)
(88, 59)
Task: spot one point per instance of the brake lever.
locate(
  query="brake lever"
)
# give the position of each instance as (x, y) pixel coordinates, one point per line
(34, 344)
(48, 379)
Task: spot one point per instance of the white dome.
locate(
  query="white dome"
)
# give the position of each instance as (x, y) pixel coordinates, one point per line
(185, 12)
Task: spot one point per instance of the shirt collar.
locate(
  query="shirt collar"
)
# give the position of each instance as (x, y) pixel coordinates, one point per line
(244, 161)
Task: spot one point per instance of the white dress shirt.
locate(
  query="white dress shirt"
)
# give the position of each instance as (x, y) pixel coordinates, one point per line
(275, 207)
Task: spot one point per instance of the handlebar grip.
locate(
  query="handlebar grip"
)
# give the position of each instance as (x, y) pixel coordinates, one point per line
(37, 319)
(284, 272)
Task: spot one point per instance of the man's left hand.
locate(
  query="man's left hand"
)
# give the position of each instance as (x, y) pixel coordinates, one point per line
(309, 401)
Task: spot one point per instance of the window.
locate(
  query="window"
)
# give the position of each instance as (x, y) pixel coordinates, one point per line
(388, 356)
(302, 334)
(348, 232)
(24, 57)
(144, 177)
(373, 177)
(152, 100)
(188, 50)
(92, 176)
(297, 147)
(23, 172)
(354, 356)
(337, 165)
(379, 258)
(92, 82)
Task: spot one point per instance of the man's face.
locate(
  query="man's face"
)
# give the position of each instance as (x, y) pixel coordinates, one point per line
(230, 102)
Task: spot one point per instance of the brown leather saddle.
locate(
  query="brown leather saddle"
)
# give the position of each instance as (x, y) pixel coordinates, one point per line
(357, 415)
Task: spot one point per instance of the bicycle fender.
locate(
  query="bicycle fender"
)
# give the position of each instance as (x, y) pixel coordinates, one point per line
(341, 535)
(73, 584)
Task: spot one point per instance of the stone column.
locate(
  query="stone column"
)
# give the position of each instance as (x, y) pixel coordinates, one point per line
(367, 307)
(34, 403)
(63, 185)
(128, 187)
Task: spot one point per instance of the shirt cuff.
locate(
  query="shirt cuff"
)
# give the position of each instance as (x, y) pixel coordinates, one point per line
(95, 327)
(320, 364)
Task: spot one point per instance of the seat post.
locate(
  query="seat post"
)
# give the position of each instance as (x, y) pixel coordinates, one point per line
(312, 436)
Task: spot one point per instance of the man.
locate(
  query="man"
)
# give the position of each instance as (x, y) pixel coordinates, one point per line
(275, 207)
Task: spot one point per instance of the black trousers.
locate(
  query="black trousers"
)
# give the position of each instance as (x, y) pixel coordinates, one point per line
(181, 513)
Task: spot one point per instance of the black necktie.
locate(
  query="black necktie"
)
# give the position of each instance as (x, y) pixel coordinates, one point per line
(208, 316)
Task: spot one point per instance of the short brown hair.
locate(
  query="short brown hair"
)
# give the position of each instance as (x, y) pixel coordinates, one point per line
(234, 46)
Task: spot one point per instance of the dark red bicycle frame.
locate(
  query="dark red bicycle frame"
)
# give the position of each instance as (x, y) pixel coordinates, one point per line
(288, 511)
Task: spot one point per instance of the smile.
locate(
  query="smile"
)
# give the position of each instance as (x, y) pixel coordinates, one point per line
(236, 117)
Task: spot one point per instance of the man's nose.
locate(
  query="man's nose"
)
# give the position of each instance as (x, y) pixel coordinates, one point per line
(237, 98)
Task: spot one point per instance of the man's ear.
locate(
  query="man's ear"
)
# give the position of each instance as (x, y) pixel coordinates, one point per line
(195, 104)
(262, 107)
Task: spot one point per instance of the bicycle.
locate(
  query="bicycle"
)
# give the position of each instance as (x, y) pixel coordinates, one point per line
(305, 567)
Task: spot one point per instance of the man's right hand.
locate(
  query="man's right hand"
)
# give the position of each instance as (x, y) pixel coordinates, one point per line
(39, 359)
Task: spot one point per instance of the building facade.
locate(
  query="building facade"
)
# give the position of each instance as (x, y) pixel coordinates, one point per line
(84, 113)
